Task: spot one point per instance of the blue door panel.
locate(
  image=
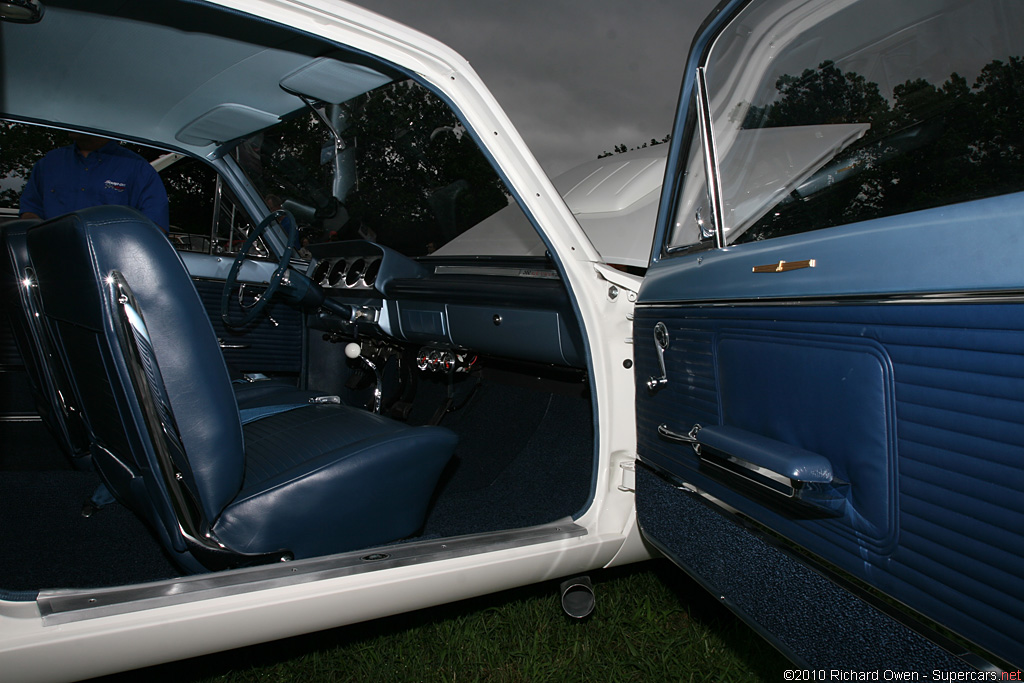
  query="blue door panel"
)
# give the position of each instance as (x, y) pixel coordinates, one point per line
(270, 344)
(974, 246)
(918, 406)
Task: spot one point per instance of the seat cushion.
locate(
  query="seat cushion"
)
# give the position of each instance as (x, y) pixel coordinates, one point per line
(331, 478)
(270, 393)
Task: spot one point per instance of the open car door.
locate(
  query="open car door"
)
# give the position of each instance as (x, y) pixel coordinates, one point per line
(829, 342)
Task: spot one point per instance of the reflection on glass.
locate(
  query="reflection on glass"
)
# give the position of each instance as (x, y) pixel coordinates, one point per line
(405, 173)
(828, 113)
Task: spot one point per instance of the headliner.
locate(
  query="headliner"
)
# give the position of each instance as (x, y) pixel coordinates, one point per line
(168, 73)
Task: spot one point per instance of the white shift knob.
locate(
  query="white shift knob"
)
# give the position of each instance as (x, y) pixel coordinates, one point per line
(353, 350)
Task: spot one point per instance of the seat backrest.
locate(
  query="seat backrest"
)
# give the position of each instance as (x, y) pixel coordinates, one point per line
(54, 400)
(146, 365)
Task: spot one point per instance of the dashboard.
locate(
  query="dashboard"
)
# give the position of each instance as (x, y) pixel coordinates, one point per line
(507, 307)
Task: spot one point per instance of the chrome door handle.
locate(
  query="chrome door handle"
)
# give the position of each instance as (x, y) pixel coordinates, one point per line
(690, 438)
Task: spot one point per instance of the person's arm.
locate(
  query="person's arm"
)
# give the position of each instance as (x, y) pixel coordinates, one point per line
(152, 198)
(31, 202)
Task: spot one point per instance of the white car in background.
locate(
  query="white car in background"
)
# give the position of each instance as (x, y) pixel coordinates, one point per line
(805, 387)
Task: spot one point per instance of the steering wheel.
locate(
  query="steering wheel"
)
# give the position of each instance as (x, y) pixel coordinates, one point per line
(251, 312)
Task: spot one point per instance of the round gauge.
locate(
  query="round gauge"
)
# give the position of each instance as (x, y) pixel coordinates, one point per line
(337, 273)
(370, 274)
(320, 272)
(354, 272)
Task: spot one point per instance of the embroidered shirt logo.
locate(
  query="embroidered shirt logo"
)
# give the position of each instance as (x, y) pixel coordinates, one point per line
(116, 186)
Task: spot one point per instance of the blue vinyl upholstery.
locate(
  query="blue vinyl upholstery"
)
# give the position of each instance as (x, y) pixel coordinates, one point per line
(918, 407)
(50, 388)
(271, 343)
(53, 395)
(339, 480)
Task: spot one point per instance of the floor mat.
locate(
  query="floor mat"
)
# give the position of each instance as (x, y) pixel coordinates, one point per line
(546, 478)
(29, 446)
(48, 544)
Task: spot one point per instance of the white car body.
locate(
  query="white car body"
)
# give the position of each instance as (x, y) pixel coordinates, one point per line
(825, 346)
(35, 648)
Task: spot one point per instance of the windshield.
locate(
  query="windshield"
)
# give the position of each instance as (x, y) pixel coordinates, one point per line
(399, 169)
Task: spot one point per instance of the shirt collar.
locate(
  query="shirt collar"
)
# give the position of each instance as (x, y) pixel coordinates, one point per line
(98, 154)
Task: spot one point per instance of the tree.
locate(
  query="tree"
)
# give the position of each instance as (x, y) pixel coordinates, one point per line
(621, 149)
(933, 145)
(422, 178)
(22, 147)
(822, 95)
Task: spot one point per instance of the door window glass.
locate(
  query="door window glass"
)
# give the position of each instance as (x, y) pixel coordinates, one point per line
(828, 113)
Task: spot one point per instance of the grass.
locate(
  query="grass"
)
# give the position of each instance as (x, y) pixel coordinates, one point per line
(651, 623)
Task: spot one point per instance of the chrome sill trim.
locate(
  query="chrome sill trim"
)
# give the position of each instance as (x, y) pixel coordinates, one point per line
(69, 606)
(980, 297)
(20, 418)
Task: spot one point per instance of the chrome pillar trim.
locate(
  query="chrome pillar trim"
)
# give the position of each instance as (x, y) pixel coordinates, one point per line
(68, 606)
(218, 197)
(714, 181)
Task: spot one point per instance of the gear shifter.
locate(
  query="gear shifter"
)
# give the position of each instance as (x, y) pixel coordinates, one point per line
(354, 350)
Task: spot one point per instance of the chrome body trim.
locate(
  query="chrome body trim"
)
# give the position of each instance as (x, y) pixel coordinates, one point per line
(542, 273)
(68, 606)
(981, 297)
(21, 418)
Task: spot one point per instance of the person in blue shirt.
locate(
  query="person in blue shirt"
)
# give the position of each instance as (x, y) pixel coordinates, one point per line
(93, 171)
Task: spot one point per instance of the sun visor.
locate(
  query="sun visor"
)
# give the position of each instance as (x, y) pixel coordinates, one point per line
(329, 80)
(225, 122)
